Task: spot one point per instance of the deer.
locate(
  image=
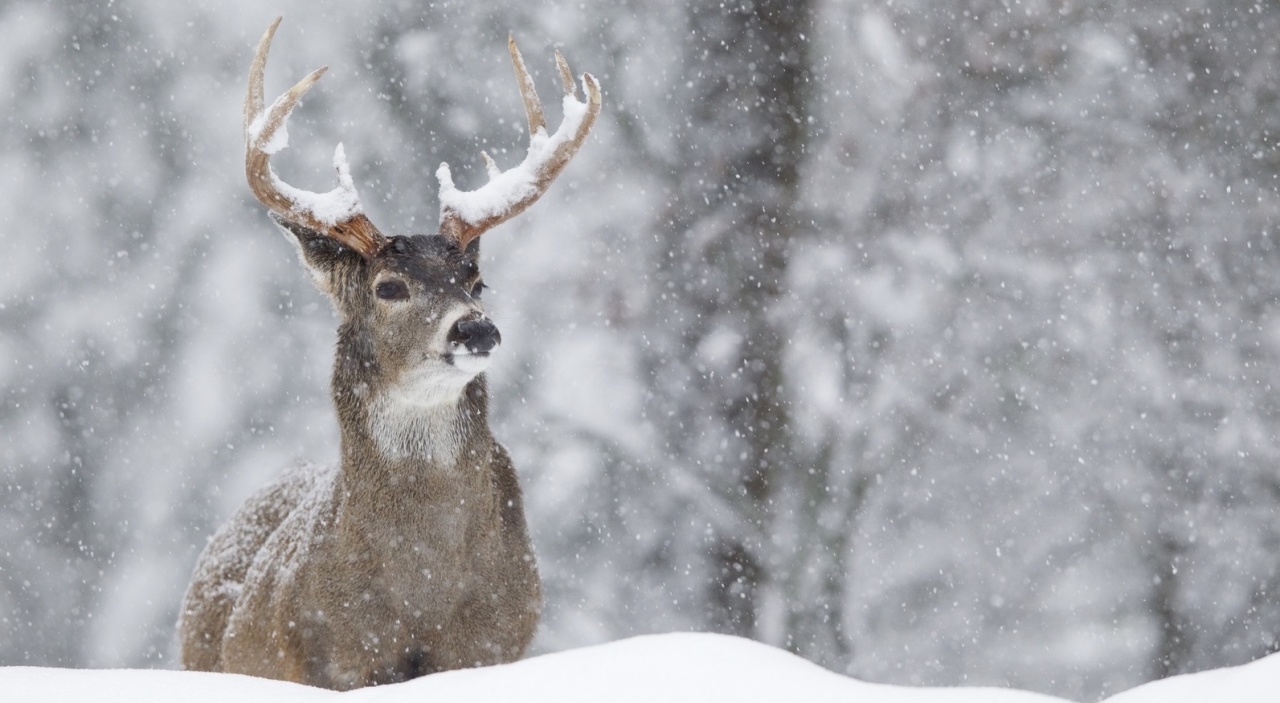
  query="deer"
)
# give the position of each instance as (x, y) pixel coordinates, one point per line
(411, 554)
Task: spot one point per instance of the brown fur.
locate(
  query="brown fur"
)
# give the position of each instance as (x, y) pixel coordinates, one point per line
(412, 555)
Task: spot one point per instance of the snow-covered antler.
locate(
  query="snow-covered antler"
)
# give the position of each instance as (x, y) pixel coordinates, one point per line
(465, 215)
(336, 214)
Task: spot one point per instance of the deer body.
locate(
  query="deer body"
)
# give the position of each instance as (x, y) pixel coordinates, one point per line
(411, 555)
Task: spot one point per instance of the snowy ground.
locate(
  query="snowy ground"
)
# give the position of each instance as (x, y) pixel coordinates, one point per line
(673, 667)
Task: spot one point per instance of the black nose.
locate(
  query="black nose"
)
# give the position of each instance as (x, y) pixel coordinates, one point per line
(479, 336)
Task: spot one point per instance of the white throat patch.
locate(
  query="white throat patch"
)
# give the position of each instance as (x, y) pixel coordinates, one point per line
(404, 427)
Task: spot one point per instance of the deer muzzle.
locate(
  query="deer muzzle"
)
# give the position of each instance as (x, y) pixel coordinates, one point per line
(477, 335)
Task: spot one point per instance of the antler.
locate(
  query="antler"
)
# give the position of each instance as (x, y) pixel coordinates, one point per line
(465, 215)
(336, 214)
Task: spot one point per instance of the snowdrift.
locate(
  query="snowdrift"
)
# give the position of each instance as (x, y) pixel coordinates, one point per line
(672, 667)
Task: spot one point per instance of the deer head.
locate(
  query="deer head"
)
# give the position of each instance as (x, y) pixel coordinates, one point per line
(410, 305)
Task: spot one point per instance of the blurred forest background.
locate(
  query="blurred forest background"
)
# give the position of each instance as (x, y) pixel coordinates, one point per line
(936, 342)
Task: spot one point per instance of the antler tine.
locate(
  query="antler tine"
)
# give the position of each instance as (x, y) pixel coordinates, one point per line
(253, 101)
(336, 214)
(566, 76)
(467, 215)
(532, 105)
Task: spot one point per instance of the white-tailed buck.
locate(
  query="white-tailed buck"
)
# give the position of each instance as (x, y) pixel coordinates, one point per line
(411, 555)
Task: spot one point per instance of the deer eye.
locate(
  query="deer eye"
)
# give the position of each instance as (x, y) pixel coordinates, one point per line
(477, 289)
(392, 290)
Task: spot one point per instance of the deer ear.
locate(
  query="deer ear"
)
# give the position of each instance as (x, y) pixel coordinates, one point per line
(326, 260)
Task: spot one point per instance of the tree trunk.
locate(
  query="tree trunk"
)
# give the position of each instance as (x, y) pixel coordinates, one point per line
(749, 80)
